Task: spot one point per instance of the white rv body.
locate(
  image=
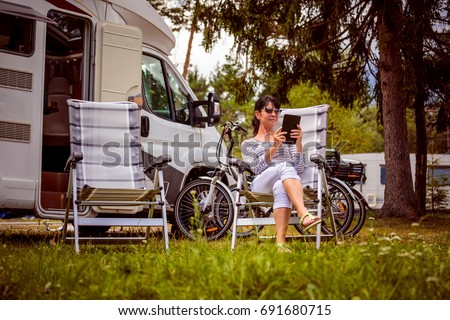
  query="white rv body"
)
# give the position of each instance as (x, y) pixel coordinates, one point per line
(374, 185)
(95, 50)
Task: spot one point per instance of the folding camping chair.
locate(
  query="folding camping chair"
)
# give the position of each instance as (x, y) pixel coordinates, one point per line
(313, 122)
(106, 173)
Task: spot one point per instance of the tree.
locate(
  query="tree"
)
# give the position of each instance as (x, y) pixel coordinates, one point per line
(352, 130)
(227, 81)
(182, 14)
(198, 83)
(332, 44)
(423, 44)
(399, 197)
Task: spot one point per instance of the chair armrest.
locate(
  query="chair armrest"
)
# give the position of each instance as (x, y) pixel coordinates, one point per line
(74, 158)
(242, 165)
(317, 158)
(158, 162)
(320, 161)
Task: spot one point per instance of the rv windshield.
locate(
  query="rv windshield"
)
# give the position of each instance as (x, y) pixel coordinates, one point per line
(164, 95)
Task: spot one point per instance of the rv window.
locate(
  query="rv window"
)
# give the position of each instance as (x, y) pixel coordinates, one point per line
(154, 87)
(441, 174)
(179, 99)
(383, 174)
(16, 34)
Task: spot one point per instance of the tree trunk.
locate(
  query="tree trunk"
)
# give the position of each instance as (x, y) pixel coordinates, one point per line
(421, 155)
(187, 61)
(448, 140)
(418, 8)
(399, 198)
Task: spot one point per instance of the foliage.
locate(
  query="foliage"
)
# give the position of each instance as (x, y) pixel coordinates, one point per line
(292, 41)
(436, 131)
(178, 12)
(353, 130)
(198, 83)
(334, 45)
(338, 46)
(436, 141)
(425, 44)
(230, 82)
(412, 263)
(225, 82)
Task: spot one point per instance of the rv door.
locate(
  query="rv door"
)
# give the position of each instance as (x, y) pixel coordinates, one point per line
(118, 62)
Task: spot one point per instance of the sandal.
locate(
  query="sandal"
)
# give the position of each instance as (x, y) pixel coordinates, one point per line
(315, 221)
(283, 248)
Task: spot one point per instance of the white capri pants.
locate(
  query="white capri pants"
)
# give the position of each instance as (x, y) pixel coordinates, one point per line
(271, 181)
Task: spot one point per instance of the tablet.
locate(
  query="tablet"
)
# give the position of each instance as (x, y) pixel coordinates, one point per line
(290, 121)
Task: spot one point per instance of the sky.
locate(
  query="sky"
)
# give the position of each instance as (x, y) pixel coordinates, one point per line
(206, 62)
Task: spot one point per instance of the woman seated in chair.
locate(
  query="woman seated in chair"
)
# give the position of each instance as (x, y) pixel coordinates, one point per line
(277, 166)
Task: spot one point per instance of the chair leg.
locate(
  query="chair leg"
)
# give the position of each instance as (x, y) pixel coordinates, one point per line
(68, 201)
(329, 209)
(235, 216)
(75, 211)
(164, 211)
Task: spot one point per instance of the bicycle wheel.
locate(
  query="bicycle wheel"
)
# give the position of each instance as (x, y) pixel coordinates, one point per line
(341, 202)
(359, 214)
(195, 219)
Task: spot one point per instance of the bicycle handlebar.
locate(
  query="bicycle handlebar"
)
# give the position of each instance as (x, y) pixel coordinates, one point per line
(233, 126)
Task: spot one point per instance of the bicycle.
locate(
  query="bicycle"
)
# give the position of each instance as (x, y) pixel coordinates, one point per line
(350, 173)
(203, 205)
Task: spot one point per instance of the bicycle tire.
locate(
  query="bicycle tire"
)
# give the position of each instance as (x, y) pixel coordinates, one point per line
(341, 205)
(214, 222)
(359, 214)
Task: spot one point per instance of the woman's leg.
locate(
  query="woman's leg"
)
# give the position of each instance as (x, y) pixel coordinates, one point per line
(294, 190)
(265, 180)
(269, 181)
(282, 216)
(292, 187)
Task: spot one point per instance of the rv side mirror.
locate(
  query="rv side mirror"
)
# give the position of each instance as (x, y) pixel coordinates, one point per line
(195, 116)
(214, 111)
(211, 106)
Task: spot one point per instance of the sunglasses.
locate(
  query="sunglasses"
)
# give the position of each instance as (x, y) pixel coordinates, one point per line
(270, 110)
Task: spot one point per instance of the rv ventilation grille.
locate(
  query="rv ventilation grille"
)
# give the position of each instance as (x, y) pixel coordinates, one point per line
(16, 79)
(12, 131)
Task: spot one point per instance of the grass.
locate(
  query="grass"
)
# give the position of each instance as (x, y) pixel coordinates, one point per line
(389, 259)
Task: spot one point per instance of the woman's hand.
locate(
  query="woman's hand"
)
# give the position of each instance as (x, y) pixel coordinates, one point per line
(298, 134)
(279, 137)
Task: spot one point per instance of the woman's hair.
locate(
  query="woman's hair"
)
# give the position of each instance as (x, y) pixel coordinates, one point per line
(260, 104)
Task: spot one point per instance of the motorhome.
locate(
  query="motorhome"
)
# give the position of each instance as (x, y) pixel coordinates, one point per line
(97, 50)
(373, 184)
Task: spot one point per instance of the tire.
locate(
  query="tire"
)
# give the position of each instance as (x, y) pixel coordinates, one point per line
(342, 206)
(214, 222)
(359, 214)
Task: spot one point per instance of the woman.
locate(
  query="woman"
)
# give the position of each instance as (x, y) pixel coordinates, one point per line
(277, 166)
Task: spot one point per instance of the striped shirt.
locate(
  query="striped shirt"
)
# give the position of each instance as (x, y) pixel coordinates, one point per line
(253, 152)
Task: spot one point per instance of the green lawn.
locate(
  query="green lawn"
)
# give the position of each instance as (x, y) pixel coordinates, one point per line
(389, 259)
